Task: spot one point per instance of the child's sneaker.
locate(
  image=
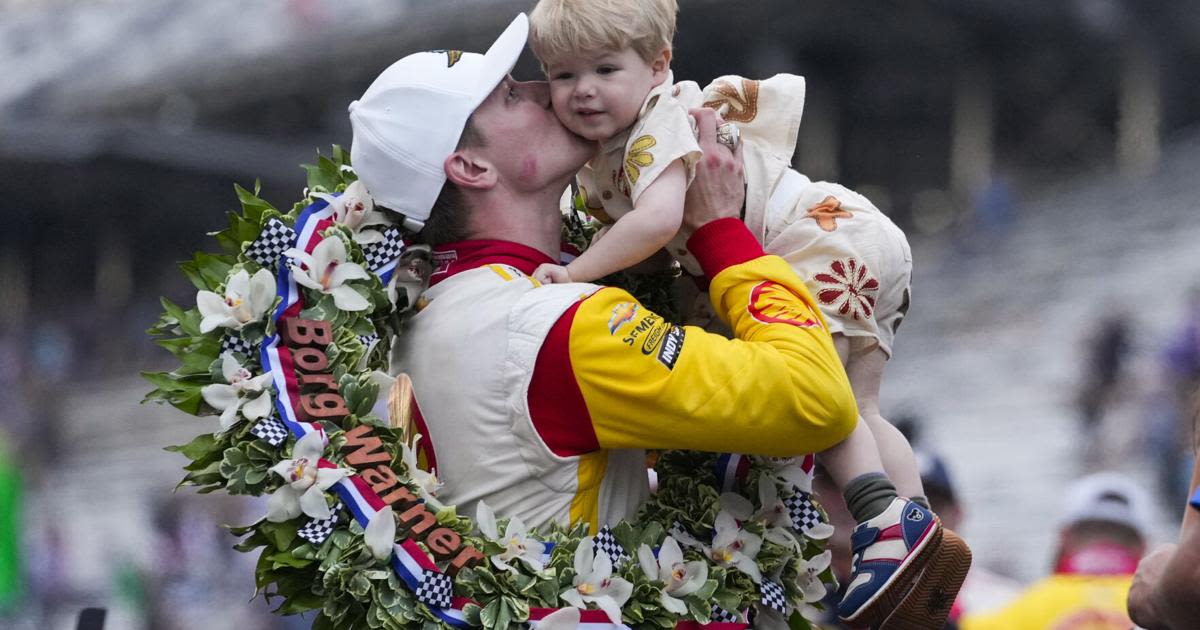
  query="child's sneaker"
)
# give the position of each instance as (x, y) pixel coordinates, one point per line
(929, 602)
(890, 551)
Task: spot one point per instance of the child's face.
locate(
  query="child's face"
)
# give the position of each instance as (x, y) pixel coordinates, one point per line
(600, 95)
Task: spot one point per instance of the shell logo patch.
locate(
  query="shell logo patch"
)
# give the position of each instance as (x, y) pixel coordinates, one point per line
(622, 314)
(773, 303)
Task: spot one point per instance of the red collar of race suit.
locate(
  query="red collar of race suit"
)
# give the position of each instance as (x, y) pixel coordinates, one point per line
(454, 258)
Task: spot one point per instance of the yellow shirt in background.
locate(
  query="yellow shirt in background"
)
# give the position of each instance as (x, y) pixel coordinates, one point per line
(1063, 602)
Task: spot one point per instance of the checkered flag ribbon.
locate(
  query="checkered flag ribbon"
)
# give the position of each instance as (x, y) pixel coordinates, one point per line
(773, 595)
(271, 430)
(435, 590)
(316, 531)
(232, 342)
(275, 239)
(803, 513)
(720, 614)
(368, 341)
(385, 251)
(607, 543)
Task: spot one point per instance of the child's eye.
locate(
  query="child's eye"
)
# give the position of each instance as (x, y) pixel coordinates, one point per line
(561, 76)
(606, 70)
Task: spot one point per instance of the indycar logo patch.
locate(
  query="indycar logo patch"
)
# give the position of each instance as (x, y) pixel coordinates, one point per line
(672, 345)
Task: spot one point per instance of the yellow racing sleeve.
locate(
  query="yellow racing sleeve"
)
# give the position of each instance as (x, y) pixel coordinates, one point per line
(629, 379)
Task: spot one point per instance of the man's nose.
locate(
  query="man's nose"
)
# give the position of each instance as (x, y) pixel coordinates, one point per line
(536, 91)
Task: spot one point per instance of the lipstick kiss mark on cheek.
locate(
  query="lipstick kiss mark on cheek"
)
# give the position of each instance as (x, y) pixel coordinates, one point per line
(529, 168)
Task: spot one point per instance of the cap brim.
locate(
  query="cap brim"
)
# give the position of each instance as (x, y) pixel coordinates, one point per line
(499, 60)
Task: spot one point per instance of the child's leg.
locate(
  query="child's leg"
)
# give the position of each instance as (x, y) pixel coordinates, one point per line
(865, 370)
(856, 459)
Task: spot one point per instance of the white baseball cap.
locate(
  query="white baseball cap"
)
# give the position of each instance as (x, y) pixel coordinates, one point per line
(1110, 497)
(410, 120)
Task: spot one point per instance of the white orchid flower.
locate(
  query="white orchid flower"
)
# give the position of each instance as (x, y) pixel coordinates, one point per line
(561, 619)
(427, 482)
(809, 579)
(245, 301)
(355, 209)
(380, 534)
(773, 514)
(306, 482)
(326, 270)
(244, 392)
(790, 471)
(594, 583)
(517, 543)
(732, 546)
(681, 579)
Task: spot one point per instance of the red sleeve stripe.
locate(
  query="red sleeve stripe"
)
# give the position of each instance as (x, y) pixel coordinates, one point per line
(723, 243)
(556, 405)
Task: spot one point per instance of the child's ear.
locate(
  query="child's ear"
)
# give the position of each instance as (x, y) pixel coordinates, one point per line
(467, 170)
(661, 63)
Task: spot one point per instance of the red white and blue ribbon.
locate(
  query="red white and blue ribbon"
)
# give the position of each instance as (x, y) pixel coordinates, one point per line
(411, 564)
(730, 468)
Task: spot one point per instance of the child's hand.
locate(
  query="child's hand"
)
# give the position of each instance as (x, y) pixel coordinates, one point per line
(551, 274)
(599, 235)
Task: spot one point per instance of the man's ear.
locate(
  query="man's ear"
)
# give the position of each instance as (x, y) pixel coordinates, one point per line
(661, 63)
(468, 170)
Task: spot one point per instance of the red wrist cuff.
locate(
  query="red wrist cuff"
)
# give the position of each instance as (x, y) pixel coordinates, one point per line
(721, 244)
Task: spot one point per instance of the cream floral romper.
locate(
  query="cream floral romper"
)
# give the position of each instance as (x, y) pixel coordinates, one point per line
(854, 260)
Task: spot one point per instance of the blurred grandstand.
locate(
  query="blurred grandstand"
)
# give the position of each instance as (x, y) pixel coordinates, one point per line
(1042, 157)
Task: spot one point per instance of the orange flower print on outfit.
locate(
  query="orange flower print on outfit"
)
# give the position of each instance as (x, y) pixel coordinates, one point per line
(734, 106)
(827, 213)
(849, 287)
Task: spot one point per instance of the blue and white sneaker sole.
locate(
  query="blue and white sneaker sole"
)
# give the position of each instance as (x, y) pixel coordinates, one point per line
(881, 605)
(929, 602)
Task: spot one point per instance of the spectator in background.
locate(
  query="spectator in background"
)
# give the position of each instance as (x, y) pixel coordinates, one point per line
(1172, 438)
(1102, 536)
(984, 590)
(1183, 352)
(1106, 352)
(994, 206)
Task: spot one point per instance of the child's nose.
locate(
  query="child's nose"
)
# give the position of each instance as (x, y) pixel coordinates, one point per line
(584, 88)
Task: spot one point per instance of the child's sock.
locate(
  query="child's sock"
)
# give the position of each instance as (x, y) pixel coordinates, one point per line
(867, 496)
(921, 501)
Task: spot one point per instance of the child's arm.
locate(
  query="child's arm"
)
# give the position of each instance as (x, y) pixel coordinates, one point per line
(637, 235)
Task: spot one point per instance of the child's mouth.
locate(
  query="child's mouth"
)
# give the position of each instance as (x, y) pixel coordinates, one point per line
(587, 113)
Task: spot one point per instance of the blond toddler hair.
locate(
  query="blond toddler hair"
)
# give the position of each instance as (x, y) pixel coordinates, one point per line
(562, 28)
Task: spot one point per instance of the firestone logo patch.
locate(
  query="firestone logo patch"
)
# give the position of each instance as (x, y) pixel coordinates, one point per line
(773, 303)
